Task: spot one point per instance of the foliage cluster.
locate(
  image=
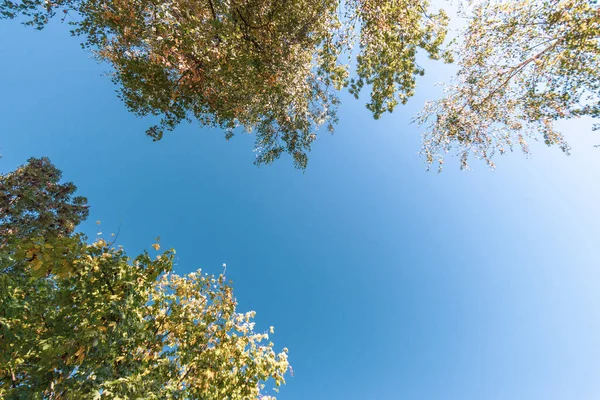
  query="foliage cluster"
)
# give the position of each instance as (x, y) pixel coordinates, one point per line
(270, 66)
(81, 320)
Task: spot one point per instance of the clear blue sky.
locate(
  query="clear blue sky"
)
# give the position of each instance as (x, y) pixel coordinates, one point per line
(384, 281)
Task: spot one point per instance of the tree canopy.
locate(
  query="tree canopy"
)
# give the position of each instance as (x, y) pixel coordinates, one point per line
(523, 66)
(271, 67)
(34, 202)
(81, 320)
(275, 68)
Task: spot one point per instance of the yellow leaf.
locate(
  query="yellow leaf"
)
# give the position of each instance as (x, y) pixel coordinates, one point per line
(156, 246)
(37, 265)
(80, 354)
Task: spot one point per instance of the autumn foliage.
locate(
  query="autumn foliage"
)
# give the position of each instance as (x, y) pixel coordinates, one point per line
(84, 320)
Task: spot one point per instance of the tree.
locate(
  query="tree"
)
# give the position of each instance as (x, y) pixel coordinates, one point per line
(81, 320)
(276, 67)
(523, 66)
(272, 67)
(33, 200)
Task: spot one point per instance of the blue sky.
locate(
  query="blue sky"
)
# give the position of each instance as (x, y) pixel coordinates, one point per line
(385, 281)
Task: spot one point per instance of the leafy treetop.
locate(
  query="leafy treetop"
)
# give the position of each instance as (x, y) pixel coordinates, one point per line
(272, 67)
(33, 200)
(82, 320)
(523, 66)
